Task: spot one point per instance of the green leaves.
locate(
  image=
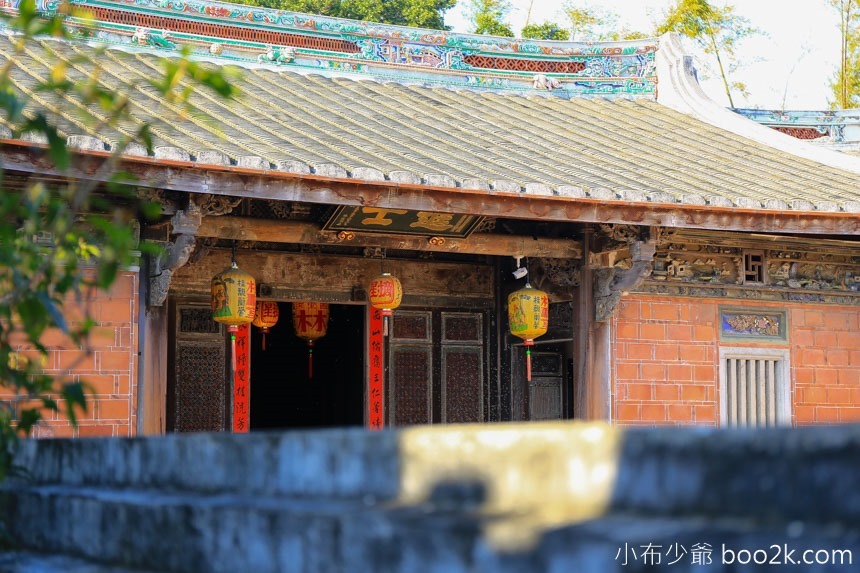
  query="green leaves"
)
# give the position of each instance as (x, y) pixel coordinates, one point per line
(487, 17)
(64, 237)
(716, 30)
(545, 31)
(845, 84)
(173, 83)
(421, 13)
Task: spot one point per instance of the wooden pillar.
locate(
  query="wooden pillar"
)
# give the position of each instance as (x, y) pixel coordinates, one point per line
(600, 371)
(152, 370)
(582, 334)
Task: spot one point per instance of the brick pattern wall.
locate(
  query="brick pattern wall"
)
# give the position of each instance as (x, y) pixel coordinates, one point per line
(109, 367)
(666, 353)
(826, 364)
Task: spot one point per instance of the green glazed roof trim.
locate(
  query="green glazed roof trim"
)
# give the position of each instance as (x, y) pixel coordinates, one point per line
(614, 150)
(829, 123)
(410, 54)
(294, 22)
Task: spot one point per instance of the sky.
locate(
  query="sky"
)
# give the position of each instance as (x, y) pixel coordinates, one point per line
(789, 66)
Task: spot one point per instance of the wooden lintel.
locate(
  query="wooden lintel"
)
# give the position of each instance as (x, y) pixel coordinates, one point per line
(266, 230)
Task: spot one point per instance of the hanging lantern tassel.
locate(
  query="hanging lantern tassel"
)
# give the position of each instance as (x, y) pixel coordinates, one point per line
(233, 330)
(385, 294)
(529, 344)
(234, 297)
(528, 316)
(310, 319)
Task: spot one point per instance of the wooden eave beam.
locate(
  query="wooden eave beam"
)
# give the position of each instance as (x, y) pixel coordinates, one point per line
(193, 178)
(248, 229)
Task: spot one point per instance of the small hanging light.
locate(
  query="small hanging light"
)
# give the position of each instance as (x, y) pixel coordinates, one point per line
(310, 319)
(385, 294)
(234, 297)
(265, 317)
(528, 316)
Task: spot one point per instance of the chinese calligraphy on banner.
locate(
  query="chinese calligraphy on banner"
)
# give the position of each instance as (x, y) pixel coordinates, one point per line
(242, 383)
(375, 386)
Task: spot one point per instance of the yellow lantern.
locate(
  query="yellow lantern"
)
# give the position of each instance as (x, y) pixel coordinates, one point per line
(310, 319)
(385, 294)
(265, 317)
(528, 316)
(234, 298)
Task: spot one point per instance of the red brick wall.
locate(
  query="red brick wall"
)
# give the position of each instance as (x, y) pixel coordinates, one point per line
(666, 361)
(825, 351)
(110, 367)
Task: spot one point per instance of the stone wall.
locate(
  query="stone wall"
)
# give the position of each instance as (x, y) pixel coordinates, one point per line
(548, 497)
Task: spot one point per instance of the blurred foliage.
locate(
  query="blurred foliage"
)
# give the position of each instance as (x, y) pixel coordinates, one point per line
(545, 31)
(845, 84)
(596, 24)
(488, 17)
(717, 30)
(421, 13)
(64, 239)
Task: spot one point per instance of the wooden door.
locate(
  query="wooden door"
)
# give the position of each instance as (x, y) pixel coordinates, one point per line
(198, 389)
(437, 367)
(548, 395)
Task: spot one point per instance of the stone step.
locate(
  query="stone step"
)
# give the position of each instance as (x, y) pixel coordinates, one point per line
(447, 498)
(595, 467)
(336, 463)
(186, 533)
(29, 562)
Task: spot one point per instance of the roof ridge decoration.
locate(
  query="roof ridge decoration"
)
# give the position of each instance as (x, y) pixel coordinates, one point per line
(839, 126)
(252, 35)
(680, 90)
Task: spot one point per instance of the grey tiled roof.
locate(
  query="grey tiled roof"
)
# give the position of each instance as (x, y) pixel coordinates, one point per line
(629, 150)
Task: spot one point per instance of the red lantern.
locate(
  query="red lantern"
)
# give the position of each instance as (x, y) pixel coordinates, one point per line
(385, 294)
(310, 319)
(234, 297)
(528, 317)
(265, 317)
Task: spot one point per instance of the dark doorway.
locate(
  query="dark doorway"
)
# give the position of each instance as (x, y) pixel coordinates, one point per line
(282, 396)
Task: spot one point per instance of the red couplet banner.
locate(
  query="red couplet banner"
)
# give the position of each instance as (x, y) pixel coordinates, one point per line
(242, 382)
(375, 386)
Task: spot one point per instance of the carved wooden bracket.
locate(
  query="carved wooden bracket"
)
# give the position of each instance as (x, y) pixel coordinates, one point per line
(175, 255)
(184, 226)
(625, 274)
(557, 276)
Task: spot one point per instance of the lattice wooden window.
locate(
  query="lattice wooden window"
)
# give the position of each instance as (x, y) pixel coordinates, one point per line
(197, 320)
(754, 387)
(462, 368)
(222, 30)
(411, 369)
(411, 376)
(754, 267)
(462, 384)
(523, 65)
(200, 396)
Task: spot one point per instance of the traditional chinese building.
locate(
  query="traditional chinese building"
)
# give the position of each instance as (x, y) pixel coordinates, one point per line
(701, 268)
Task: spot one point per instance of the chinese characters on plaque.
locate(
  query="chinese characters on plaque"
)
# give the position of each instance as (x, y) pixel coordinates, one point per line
(402, 222)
